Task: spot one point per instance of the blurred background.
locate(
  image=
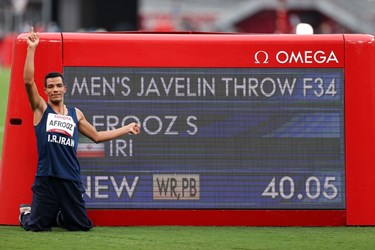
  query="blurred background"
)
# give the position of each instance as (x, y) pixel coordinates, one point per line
(246, 16)
(253, 16)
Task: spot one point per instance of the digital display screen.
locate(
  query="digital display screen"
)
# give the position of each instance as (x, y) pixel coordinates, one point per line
(212, 138)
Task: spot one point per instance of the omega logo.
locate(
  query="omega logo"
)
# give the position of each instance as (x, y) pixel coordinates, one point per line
(304, 57)
(263, 55)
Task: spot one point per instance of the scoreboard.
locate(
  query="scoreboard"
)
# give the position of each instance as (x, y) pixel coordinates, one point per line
(236, 129)
(213, 137)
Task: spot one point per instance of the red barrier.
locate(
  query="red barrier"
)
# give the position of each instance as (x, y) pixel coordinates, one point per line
(360, 129)
(351, 53)
(6, 50)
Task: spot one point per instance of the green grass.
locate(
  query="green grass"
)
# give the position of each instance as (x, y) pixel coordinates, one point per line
(4, 87)
(192, 238)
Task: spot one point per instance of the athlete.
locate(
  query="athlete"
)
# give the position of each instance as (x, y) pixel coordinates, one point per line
(57, 189)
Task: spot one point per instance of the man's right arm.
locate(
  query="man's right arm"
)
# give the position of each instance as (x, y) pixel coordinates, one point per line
(38, 105)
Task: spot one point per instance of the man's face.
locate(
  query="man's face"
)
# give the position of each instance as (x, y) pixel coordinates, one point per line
(55, 89)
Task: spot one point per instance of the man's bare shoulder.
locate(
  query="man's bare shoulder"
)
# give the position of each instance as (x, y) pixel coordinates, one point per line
(80, 114)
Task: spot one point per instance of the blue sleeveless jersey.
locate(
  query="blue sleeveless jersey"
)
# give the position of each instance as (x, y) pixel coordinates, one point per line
(57, 139)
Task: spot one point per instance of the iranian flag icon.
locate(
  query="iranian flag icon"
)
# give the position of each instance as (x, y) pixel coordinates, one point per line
(90, 150)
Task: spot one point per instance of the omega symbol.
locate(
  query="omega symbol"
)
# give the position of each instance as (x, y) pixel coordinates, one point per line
(262, 55)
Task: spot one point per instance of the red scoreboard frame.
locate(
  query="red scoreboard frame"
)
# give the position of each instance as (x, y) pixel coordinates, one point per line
(354, 53)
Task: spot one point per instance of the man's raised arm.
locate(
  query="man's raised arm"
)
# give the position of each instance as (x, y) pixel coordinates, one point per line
(36, 101)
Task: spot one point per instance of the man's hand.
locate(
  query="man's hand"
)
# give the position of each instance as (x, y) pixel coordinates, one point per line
(32, 39)
(134, 128)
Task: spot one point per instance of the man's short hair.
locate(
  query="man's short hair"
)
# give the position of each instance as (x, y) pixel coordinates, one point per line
(53, 75)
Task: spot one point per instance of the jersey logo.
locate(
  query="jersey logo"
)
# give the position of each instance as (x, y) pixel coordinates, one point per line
(61, 124)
